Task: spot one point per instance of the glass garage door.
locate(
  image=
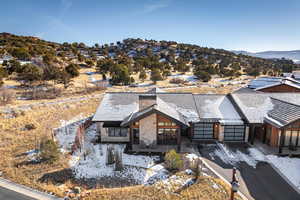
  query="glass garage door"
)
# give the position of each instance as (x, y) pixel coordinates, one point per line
(203, 131)
(234, 133)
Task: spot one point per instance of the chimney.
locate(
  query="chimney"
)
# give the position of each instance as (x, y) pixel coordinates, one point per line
(146, 100)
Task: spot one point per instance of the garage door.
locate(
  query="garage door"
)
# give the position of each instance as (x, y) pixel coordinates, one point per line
(234, 133)
(203, 131)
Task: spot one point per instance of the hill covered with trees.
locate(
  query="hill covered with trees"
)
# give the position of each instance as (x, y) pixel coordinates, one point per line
(30, 59)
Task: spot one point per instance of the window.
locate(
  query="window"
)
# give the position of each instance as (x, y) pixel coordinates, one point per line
(166, 124)
(117, 132)
(292, 137)
(167, 136)
(161, 123)
(136, 135)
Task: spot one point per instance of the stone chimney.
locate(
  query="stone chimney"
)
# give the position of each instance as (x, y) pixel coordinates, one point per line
(146, 100)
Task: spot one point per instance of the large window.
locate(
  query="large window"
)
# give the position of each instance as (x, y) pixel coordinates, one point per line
(136, 135)
(292, 138)
(117, 132)
(167, 136)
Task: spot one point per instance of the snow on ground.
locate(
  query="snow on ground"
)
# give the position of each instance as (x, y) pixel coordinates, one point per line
(233, 157)
(175, 182)
(65, 134)
(189, 78)
(288, 166)
(91, 161)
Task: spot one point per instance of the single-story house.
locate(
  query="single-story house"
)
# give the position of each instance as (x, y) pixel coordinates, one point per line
(269, 117)
(157, 120)
(285, 85)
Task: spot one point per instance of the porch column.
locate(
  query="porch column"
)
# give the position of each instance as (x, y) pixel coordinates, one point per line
(247, 134)
(252, 133)
(221, 133)
(130, 137)
(282, 135)
(178, 139)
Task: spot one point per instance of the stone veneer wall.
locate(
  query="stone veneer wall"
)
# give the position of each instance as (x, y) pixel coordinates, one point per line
(148, 128)
(146, 102)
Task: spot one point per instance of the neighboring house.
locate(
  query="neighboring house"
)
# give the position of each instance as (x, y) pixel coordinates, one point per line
(285, 85)
(158, 121)
(270, 117)
(296, 75)
(275, 84)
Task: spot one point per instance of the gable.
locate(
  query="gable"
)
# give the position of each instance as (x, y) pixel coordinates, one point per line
(280, 88)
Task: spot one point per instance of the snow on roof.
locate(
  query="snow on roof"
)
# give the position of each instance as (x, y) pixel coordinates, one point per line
(217, 107)
(283, 82)
(159, 106)
(116, 106)
(253, 106)
(182, 102)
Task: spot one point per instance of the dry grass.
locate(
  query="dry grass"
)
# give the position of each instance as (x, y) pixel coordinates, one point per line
(203, 189)
(14, 141)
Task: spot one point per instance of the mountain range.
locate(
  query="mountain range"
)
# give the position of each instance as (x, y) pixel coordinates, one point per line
(293, 55)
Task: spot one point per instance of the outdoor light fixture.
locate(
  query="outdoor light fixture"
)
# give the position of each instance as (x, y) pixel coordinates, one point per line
(234, 184)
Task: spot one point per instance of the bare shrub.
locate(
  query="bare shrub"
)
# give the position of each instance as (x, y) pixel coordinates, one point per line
(30, 126)
(6, 96)
(118, 161)
(110, 155)
(178, 81)
(43, 93)
(196, 166)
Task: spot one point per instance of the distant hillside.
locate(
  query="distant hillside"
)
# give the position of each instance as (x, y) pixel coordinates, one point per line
(122, 59)
(293, 55)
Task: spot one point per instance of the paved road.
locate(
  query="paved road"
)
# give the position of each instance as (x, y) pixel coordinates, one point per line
(260, 183)
(6, 194)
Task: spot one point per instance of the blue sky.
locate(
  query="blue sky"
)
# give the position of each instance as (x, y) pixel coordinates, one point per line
(255, 25)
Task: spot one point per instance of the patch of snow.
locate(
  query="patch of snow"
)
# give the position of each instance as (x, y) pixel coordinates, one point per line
(91, 163)
(66, 132)
(189, 78)
(232, 158)
(223, 109)
(189, 114)
(191, 156)
(288, 166)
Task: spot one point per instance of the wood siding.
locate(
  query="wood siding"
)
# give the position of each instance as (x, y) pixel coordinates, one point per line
(280, 88)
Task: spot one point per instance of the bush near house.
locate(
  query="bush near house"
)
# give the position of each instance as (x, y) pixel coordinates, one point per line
(173, 160)
(49, 151)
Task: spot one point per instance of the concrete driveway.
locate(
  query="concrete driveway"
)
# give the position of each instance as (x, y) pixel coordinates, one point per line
(258, 179)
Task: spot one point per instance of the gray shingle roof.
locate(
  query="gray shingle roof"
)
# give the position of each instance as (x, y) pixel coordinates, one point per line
(283, 113)
(256, 105)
